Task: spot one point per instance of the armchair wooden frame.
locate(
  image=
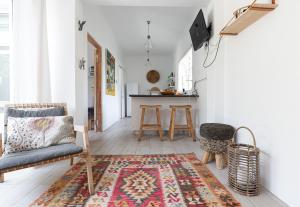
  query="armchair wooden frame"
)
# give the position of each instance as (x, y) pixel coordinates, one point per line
(85, 154)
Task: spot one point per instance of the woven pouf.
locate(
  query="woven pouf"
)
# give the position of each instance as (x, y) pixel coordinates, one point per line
(214, 141)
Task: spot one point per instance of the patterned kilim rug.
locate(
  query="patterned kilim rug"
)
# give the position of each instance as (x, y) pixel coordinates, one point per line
(175, 180)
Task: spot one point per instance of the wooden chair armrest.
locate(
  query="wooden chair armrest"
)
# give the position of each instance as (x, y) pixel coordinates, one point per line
(79, 128)
(84, 130)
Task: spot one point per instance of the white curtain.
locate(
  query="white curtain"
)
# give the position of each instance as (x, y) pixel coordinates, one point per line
(30, 76)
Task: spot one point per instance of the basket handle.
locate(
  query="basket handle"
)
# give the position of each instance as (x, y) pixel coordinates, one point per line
(243, 127)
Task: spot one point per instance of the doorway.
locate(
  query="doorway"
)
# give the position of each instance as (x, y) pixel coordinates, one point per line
(94, 85)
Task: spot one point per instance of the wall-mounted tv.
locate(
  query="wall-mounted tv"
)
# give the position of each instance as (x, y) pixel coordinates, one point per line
(199, 32)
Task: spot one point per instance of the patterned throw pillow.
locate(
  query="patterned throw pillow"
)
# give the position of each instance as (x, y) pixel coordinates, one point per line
(37, 132)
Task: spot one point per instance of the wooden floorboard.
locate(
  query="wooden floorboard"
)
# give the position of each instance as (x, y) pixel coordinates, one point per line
(22, 187)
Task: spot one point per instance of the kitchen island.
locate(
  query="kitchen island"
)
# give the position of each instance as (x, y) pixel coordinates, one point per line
(165, 101)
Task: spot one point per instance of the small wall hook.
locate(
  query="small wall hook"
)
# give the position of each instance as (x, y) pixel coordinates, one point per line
(81, 24)
(82, 64)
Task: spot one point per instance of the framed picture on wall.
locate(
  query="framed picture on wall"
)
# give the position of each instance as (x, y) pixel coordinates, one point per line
(110, 73)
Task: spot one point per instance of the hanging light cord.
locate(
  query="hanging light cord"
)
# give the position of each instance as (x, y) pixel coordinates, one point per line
(148, 49)
(148, 37)
(148, 56)
(236, 14)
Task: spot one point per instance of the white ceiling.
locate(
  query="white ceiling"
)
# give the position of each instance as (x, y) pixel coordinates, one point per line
(161, 3)
(168, 26)
(170, 21)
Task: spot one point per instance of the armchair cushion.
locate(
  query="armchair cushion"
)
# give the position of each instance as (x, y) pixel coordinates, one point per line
(30, 112)
(33, 156)
(37, 132)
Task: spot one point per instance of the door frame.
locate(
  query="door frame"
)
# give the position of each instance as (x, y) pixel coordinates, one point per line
(98, 84)
(122, 90)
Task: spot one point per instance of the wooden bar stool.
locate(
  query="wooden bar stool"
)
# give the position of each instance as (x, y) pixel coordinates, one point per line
(156, 127)
(189, 121)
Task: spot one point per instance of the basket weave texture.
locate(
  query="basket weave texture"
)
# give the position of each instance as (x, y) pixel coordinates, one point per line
(243, 166)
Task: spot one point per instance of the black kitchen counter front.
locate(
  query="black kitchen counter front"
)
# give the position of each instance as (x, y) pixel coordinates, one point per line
(164, 96)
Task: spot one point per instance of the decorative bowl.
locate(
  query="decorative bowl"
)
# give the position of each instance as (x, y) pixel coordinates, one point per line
(168, 92)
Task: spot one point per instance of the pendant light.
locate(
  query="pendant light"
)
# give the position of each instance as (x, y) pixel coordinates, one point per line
(148, 62)
(148, 46)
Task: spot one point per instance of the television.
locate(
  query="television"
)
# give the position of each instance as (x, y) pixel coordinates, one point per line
(199, 32)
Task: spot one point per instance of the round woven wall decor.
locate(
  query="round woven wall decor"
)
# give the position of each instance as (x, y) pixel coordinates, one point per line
(153, 76)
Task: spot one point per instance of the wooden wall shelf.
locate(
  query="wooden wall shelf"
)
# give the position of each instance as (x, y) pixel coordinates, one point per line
(251, 15)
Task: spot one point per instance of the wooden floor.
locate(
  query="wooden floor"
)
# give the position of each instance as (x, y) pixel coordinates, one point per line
(22, 187)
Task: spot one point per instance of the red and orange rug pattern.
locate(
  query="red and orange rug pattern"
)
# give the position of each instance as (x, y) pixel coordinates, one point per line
(175, 180)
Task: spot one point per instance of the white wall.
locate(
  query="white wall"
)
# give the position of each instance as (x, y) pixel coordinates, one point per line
(210, 88)
(97, 26)
(136, 71)
(255, 82)
(81, 75)
(262, 92)
(61, 45)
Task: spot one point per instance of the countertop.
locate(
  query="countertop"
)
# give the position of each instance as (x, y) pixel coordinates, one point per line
(163, 96)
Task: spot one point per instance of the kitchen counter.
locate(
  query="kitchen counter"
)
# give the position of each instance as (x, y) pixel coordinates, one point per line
(165, 101)
(173, 96)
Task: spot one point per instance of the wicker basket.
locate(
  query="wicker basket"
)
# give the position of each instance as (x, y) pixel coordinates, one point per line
(243, 164)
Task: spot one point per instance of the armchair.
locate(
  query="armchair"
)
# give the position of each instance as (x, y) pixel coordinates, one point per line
(25, 159)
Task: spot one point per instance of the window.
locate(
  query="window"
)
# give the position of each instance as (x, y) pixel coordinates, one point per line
(185, 72)
(4, 50)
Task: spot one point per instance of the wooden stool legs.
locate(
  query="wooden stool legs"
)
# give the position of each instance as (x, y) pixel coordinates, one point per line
(205, 157)
(159, 124)
(221, 159)
(208, 157)
(142, 123)
(172, 124)
(156, 127)
(189, 122)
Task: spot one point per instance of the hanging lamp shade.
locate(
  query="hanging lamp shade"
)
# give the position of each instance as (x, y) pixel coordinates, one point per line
(148, 43)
